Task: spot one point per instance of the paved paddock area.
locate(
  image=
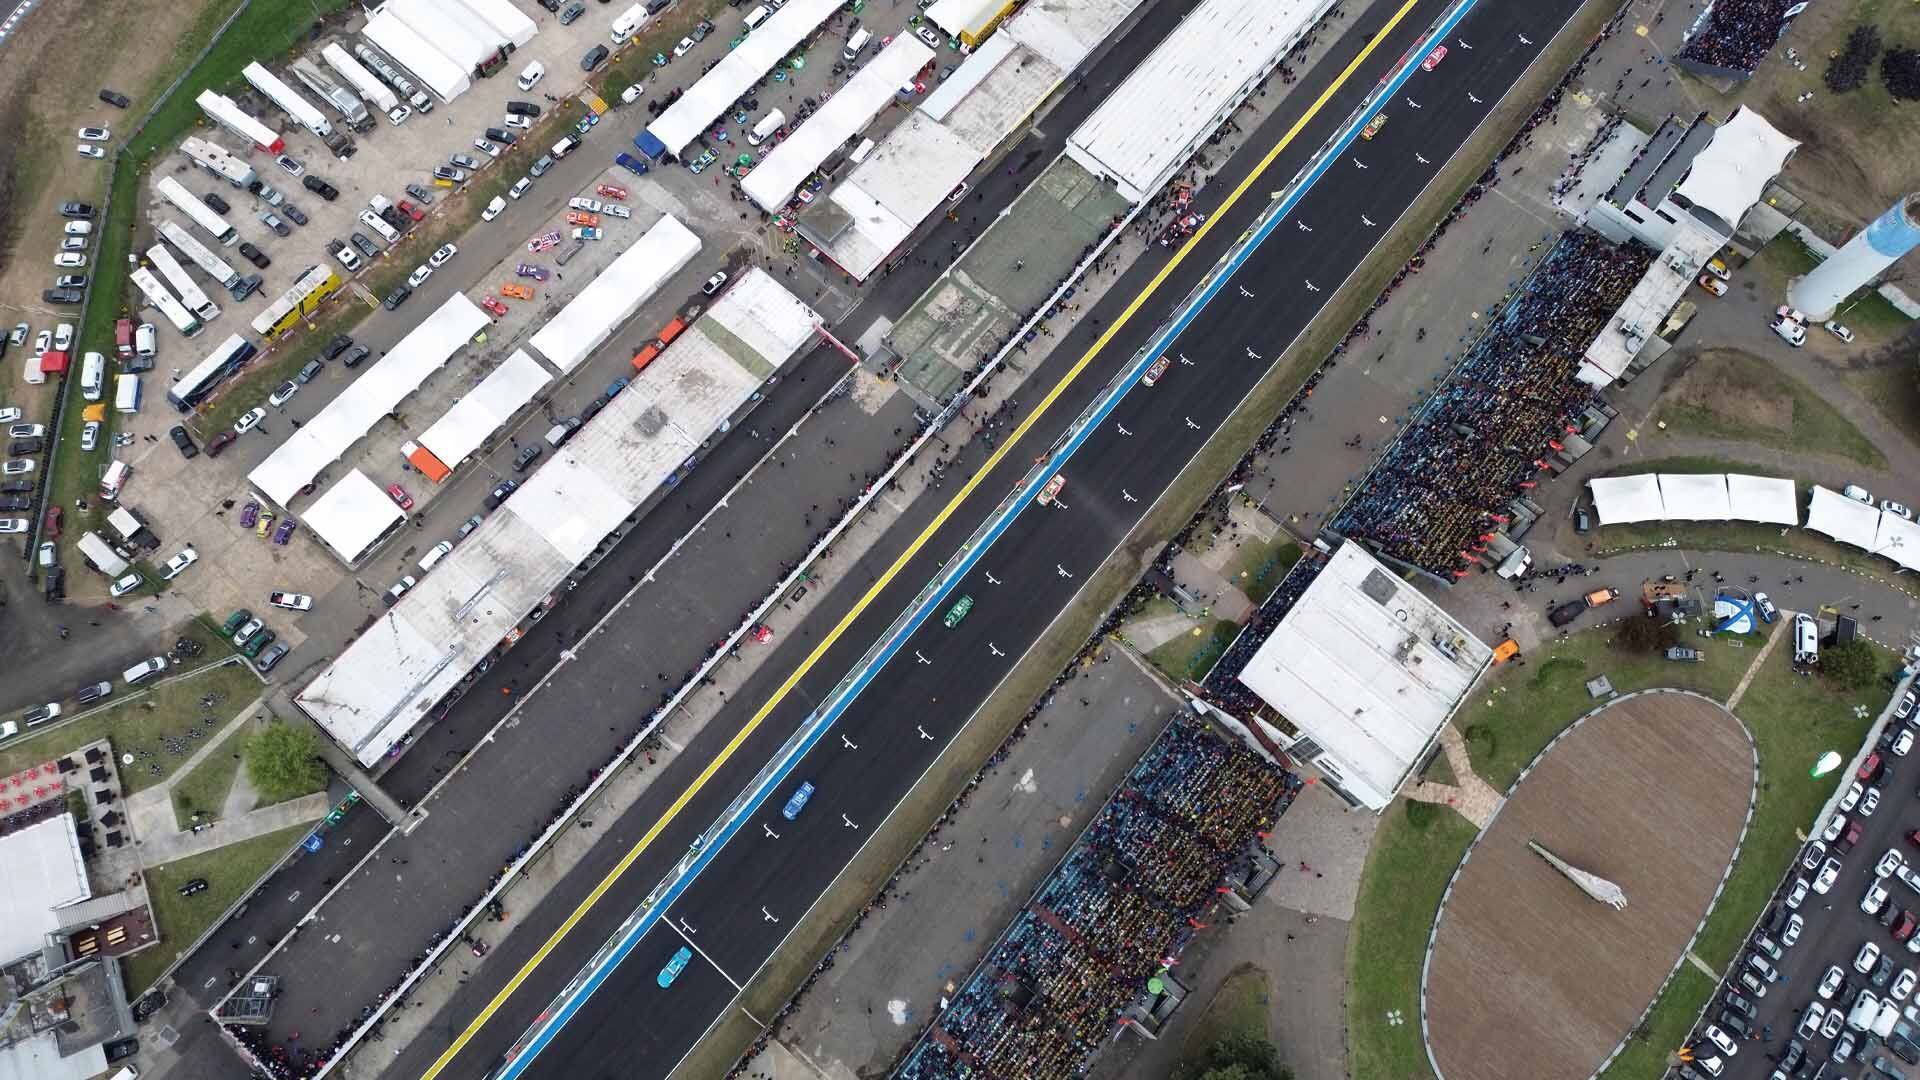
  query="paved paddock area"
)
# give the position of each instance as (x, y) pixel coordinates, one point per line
(974, 874)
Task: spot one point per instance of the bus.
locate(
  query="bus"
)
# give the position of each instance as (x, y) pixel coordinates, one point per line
(314, 285)
(200, 254)
(159, 297)
(176, 275)
(197, 212)
(192, 388)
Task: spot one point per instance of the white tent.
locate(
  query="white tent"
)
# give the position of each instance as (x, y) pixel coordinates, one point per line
(1620, 500)
(1729, 175)
(1695, 497)
(1842, 518)
(1899, 540)
(1768, 499)
(481, 411)
(611, 298)
(846, 113)
(352, 515)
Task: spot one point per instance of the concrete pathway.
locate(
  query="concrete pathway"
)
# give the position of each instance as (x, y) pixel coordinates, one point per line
(241, 797)
(1746, 680)
(179, 845)
(151, 809)
(1473, 797)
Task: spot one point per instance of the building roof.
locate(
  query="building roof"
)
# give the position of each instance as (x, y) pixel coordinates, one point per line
(737, 72)
(482, 410)
(611, 299)
(414, 53)
(1729, 176)
(44, 872)
(1675, 165)
(1641, 168)
(348, 417)
(1639, 316)
(958, 17)
(848, 112)
(993, 92)
(352, 515)
(1368, 668)
(1694, 497)
(384, 682)
(1148, 127)
(1065, 32)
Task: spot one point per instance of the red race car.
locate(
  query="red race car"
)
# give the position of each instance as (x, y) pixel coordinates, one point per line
(412, 211)
(612, 191)
(1433, 59)
(493, 305)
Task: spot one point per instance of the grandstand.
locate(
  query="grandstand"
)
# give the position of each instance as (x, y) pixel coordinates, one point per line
(1730, 38)
(1089, 952)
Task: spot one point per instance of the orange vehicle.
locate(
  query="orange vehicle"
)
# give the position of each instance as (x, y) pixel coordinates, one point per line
(518, 292)
(581, 217)
(671, 331)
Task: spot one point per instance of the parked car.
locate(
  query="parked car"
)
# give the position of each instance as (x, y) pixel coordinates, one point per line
(254, 255)
(397, 297)
(291, 601)
(183, 441)
(321, 188)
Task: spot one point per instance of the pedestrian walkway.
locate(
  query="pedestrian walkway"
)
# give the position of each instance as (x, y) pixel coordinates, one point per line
(267, 819)
(1740, 691)
(1473, 797)
(150, 810)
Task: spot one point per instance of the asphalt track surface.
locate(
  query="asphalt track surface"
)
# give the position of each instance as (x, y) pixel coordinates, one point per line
(630, 1026)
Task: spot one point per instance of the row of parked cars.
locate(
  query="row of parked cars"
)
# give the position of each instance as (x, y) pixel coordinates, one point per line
(150, 668)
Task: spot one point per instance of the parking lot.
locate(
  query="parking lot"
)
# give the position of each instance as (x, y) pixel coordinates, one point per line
(1825, 986)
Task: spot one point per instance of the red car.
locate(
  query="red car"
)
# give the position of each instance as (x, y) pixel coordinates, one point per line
(52, 531)
(400, 497)
(613, 191)
(411, 211)
(494, 305)
(1433, 59)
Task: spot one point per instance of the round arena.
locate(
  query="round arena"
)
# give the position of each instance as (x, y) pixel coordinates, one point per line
(1527, 976)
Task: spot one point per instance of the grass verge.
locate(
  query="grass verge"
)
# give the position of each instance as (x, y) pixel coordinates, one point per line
(1238, 1009)
(1191, 654)
(1721, 387)
(1895, 392)
(204, 788)
(143, 724)
(231, 872)
(1262, 565)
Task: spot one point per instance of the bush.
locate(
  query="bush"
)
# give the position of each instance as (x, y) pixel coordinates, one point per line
(1900, 70)
(1420, 815)
(1848, 69)
(1645, 635)
(1242, 1057)
(1481, 742)
(1851, 666)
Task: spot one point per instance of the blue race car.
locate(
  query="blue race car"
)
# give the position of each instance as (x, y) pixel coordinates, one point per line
(798, 801)
(674, 967)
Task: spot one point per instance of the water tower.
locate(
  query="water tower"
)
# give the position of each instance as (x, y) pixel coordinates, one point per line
(1890, 236)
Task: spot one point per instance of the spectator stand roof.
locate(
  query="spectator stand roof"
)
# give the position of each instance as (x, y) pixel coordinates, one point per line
(484, 409)
(1369, 669)
(1145, 130)
(385, 682)
(848, 112)
(44, 872)
(1620, 500)
(417, 55)
(687, 119)
(612, 298)
(1661, 287)
(1729, 176)
(348, 417)
(352, 516)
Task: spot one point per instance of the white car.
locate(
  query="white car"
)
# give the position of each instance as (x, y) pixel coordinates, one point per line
(1836, 1019)
(1902, 744)
(91, 134)
(1838, 331)
(1836, 825)
(683, 48)
(291, 601)
(494, 209)
(1903, 984)
(19, 466)
(486, 148)
(419, 276)
(42, 342)
(1875, 899)
(1790, 936)
(441, 256)
(1870, 802)
(1852, 798)
(1829, 873)
(1721, 1040)
(616, 210)
(1891, 507)
(249, 421)
(26, 431)
(70, 260)
(63, 336)
(88, 150)
(591, 206)
(12, 526)
(90, 435)
(1830, 982)
(49, 553)
(1889, 863)
(519, 187)
(518, 122)
(1811, 1020)
(1816, 851)
(632, 93)
(1867, 958)
(283, 393)
(532, 75)
(398, 115)
(1797, 895)
(126, 585)
(179, 563)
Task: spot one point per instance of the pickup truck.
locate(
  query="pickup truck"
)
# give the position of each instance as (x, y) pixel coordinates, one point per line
(1681, 654)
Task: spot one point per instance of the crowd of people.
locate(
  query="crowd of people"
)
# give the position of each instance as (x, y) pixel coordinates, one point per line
(1736, 34)
(1483, 436)
(1119, 908)
(1223, 688)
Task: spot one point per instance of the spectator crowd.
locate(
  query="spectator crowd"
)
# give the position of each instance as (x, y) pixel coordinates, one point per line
(1735, 35)
(1117, 911)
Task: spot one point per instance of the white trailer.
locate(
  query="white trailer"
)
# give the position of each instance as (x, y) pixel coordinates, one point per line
(217, 160)
(191, 295)
(197, 212)
(458, 43)
(304, 112)
(202, 256)
(365, 82)
(414, 53)
(505, 19)
(224, 112)
(159, 297)
(344, 101)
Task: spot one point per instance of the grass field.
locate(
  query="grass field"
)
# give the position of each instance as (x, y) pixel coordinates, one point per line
(1895, 391)
(1726, 394)
(1262, 565)
(1239, 1008)
(230, 872)
(1190, 655)
(143, 723)
(204, 788)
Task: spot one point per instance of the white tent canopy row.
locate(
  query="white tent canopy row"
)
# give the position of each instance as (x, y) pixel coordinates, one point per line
(417, 55)
(1619, 500)
(482, 410)
(612, 298)
(385, 682)
(770, 43)
(352, 516)
(1878, 532)
(347, 418)
(773, 181)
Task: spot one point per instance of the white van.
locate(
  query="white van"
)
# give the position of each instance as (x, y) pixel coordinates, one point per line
(768, 124)
(93, 376)
(628, 24)
(435, 554)
(860, 152)
(126, 393)
(145, 341)
(128, 1073)
(856, 43)
(1806, 640)
(756, 17)
(30, 372)
(533, 73)
(564, 147)
(144, 670)
(114, 479)
(373, 221)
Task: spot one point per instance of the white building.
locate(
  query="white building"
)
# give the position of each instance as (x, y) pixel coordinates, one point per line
(1367, 670)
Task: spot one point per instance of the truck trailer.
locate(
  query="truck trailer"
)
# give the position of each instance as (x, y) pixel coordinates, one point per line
(221, 110)
(304, 112)
(217, 160)
(343, 100)
(365, 82)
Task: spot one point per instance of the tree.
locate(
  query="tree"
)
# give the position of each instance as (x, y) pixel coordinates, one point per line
(1241, 1057)
(1900, 70)
(1851, 666)
(283, 761)
(1848, 69)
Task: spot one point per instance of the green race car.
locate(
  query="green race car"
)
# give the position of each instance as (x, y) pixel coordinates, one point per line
(958, 611)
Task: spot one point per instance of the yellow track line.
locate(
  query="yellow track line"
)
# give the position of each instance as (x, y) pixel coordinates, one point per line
(746, 731)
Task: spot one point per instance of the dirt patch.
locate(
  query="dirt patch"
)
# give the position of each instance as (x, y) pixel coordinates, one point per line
(1521, 957)
(1737, 388)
